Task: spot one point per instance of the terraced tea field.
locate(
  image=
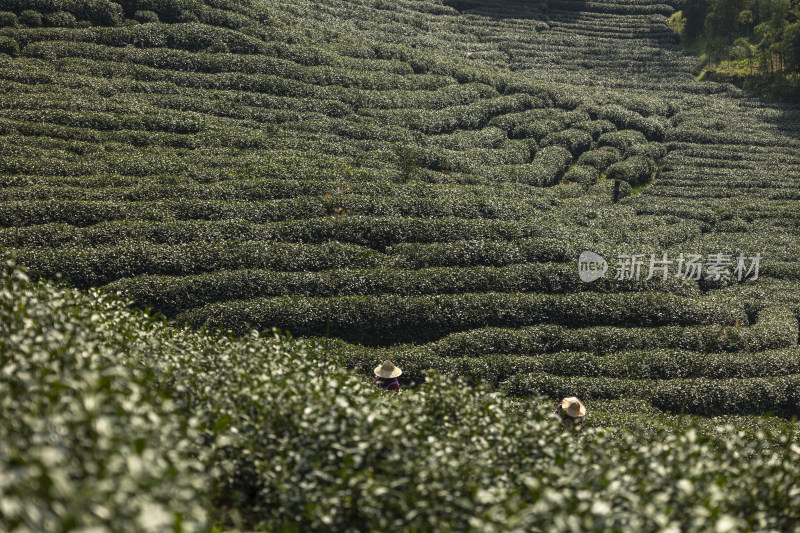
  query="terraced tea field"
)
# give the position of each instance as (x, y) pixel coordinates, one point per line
(428, 175)
(420, 179)
(416, 181)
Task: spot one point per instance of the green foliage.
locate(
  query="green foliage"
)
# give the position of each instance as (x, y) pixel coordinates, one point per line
(145, 16)
(770, 26)
(231, 162)
(7, 18)
(87, 437)
(492, 462)
(601, 158)
(575, 140)
(546, 168)
(608, 340)
(174, 294)
(60, 19)
(89, 267)
(708, 397)
(65, 13)
(333, 433)
(583, 174)
(626, 119)
(623, 140)
(653, 151)
(377, 233)
(31, 18)
(636, 170)
(597, 127)
(85, 213)
(386, 319)
(407, 161)
(8, 46)
(670, 352)
(677, 23)
(791, 45)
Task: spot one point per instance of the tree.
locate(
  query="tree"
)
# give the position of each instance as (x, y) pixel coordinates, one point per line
(744, 50)
(723, 15)
(791, 46)
(765, 35)
(780, 11)
(695, 14)
(746, 19)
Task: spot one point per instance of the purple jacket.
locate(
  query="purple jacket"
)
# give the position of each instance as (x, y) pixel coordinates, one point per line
(388, 384)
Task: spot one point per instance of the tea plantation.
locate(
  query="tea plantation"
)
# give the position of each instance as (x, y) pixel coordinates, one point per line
(411, 180)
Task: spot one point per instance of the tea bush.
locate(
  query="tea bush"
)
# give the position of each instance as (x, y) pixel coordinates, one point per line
(629, 414)
(8, 46)
(596, 127)
(708, 397)
(84, 213)
(389, 319)
(636, 170)
(145, 16)
(360, 230)
(331, 430)
(7, 18)
(173, 294)
(548, 165)
(601, 158)
(97, 12)
(97, 266)
(575, 140)
(118, 188)
(31, 18)
(486, 252)
(623, 140)
(773, 330)
(236, 150)
(471, 116)
(60, 19)
(489, 137)
(651, 150)
(86, 437)
(335, 436)
(584, 174)
(625, 119)
(493, 368)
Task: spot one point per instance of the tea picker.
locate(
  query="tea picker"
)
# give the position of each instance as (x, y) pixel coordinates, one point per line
(571, 413)
(615, 194)
(386, 376)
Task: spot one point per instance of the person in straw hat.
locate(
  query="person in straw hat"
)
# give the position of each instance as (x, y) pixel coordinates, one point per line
(386, 376)
(571, 413)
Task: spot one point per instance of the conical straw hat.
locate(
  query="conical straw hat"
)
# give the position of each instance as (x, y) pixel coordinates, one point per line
(573, 406)
(387, 370)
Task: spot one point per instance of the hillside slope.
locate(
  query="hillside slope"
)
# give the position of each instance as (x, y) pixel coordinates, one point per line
(416, 179)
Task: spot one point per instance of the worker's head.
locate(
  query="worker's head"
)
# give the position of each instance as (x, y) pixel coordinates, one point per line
(387, 370)
(573, 407)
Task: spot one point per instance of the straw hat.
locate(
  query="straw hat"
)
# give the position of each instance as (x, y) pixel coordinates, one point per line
(573, 407)
(387, 370)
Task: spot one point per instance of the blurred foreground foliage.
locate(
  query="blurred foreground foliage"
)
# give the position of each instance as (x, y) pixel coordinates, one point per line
(89, 437)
